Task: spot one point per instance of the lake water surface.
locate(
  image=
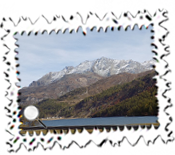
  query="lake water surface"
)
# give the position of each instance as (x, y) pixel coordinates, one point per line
(101, 121)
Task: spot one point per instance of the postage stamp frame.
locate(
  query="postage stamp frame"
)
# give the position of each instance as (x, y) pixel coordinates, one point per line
(60, 25)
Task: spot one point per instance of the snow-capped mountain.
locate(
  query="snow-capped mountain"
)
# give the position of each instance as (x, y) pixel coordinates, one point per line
(148, 64)
(104, 67)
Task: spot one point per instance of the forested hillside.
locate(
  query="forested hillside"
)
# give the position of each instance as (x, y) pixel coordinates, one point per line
(134, 98)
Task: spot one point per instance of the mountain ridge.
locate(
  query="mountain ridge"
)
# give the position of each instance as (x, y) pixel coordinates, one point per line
(103, 66)
(58, 88)
(82, 84)
(134, 98)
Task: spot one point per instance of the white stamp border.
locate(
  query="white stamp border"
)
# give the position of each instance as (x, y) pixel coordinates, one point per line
(59, 23)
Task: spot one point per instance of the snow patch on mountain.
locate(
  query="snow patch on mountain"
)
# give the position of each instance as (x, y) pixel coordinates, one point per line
(103, 67)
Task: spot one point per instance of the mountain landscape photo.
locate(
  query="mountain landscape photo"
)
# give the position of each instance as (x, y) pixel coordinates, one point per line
(97, 79)
(101, 88)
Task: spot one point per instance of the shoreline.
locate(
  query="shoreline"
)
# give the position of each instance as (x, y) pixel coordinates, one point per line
(51, 119)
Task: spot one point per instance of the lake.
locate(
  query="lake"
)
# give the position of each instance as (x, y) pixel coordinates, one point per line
(101, 121)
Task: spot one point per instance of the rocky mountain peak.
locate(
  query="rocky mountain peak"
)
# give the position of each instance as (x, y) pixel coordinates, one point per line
(69, 67)
(103, 66)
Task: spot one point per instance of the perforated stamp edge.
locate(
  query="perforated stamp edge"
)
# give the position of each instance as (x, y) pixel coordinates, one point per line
(61, 24)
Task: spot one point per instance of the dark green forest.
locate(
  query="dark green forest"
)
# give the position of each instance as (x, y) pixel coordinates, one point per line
(142, 104)
(50, 107)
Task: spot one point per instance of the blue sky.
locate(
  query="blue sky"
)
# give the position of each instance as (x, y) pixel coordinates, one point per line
(41, 54)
